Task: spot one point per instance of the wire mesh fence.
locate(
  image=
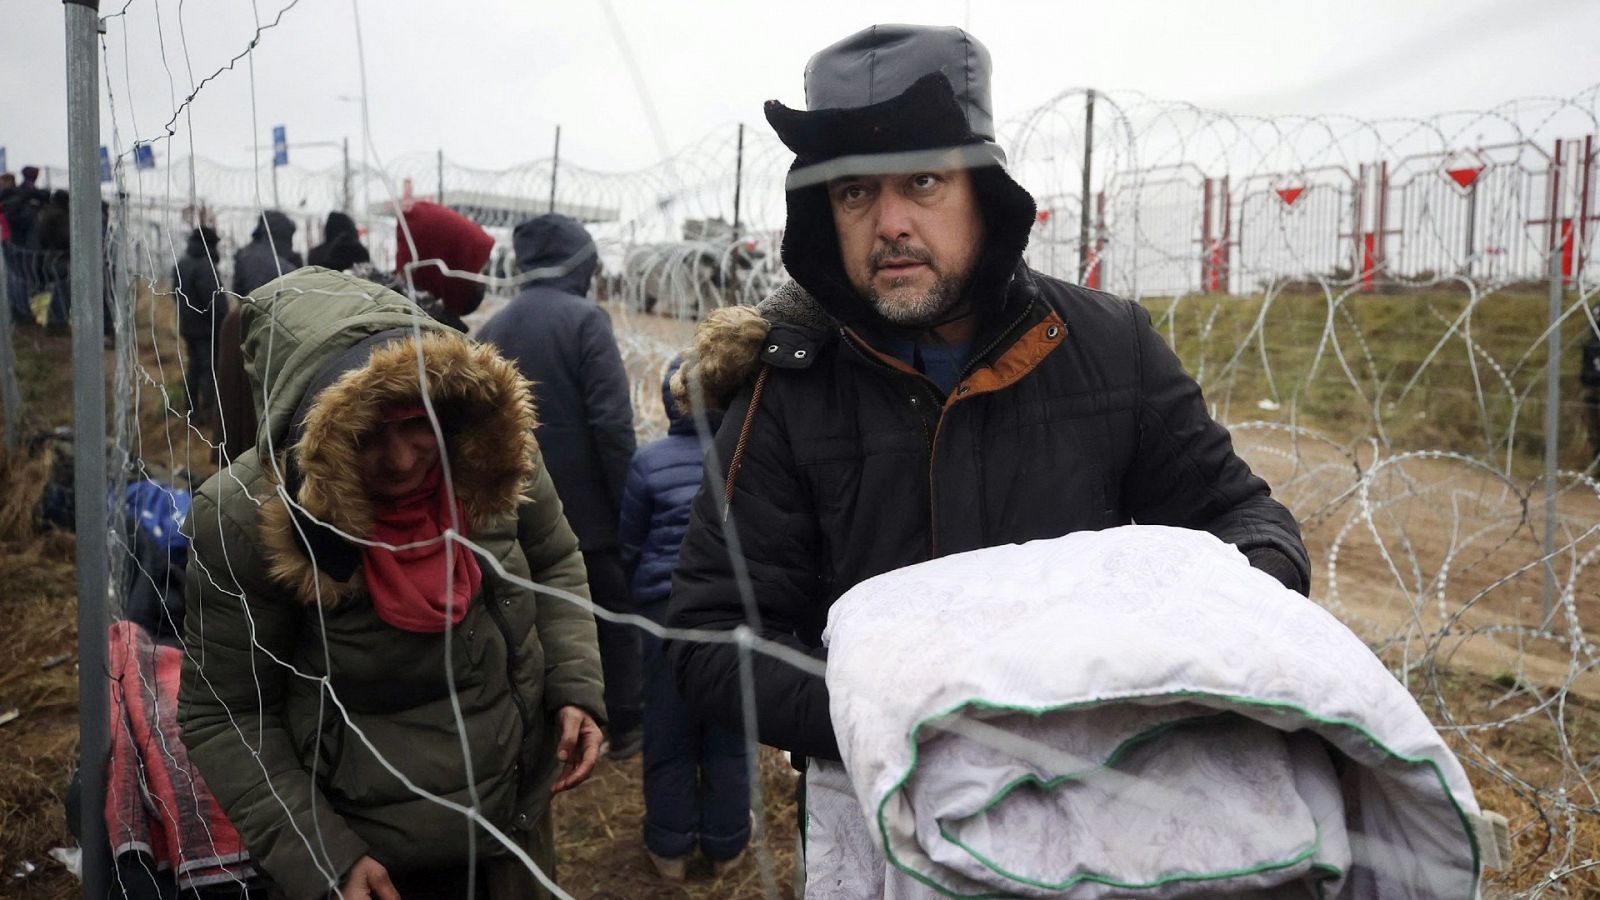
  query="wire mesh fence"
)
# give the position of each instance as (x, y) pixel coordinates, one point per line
(1376, 309)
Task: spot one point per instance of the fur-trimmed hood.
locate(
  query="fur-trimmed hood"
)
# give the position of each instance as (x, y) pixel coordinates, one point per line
(320, 403)
(728, 343)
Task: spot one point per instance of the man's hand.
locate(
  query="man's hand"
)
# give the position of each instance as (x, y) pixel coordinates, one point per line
(578, 748)
(368, 880)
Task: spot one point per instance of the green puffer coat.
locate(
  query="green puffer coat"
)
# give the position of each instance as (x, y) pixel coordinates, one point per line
(300, 707)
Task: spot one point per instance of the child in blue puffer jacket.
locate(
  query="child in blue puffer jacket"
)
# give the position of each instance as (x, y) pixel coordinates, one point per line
(696, 784)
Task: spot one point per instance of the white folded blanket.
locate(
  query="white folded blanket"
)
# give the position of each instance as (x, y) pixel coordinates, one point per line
(1131, 712)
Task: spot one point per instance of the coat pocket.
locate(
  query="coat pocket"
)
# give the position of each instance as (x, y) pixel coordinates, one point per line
(322, 749)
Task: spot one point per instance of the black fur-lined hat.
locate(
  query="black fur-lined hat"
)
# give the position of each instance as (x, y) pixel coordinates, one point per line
(891, 98)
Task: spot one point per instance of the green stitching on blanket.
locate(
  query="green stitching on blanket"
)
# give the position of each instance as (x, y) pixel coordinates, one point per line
(916, 730)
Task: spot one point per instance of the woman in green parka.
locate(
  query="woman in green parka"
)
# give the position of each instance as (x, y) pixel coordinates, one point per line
(355, 677)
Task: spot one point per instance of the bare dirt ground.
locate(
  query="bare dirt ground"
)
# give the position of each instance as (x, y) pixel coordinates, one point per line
(1431, 560)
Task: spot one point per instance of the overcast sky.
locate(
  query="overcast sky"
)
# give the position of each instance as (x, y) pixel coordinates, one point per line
(487, 81)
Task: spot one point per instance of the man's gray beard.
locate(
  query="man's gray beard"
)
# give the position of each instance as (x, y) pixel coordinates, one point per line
(920, 311)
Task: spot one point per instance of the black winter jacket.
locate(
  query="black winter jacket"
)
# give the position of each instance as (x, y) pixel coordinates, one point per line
(194, 281)
(1589, 374)
(1072, 415)
(341, 249)
(562, 342)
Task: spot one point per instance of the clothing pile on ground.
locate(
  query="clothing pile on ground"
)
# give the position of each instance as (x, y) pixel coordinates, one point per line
(158, 809)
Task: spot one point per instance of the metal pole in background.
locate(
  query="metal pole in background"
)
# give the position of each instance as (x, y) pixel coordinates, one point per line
(89, 432)
(346, 144)
(1552, 391)
(1083, 201)
(555, 166)
(738, 181)
(275, 203)
(439, 192)
(1472, 225)
(9, 394)
(1585, 180)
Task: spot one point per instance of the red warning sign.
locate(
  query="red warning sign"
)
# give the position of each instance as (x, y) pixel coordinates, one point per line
(1463, 167)
(1290, 195)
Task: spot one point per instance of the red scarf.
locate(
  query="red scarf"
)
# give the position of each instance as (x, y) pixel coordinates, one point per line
(408, 587)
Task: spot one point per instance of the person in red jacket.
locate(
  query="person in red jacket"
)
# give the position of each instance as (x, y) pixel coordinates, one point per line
(435, 245)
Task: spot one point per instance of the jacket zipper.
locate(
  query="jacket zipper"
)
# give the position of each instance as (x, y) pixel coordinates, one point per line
(922, 421)
(933, 441)
(512, 657)
(972, 362)
(933, 447)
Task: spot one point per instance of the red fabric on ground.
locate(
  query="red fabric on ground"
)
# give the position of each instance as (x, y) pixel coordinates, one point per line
(156, 802)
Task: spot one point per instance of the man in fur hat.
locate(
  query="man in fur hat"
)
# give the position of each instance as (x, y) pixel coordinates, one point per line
(917, 390)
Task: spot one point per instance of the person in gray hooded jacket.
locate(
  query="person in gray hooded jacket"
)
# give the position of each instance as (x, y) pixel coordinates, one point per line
(562, 342)
(269, 254)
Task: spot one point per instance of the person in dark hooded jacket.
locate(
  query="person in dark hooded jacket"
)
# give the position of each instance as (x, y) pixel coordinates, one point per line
(696, 780)
(201, 308)
(51, 241)
(562, 342)
(269, 254)
(341, 249)
(21, 205)
(919, 390)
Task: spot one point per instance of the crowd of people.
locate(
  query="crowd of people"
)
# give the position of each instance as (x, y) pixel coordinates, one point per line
(364, 656)
(37, 240)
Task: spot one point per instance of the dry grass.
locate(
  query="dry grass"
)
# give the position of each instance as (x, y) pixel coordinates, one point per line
(1389, 342)
(1529, 750)
(600, 844)
(38, 608)
(37, 751)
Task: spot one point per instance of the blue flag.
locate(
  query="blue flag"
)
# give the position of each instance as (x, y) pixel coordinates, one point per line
(105, 165)
(280, 146)
(144, 156)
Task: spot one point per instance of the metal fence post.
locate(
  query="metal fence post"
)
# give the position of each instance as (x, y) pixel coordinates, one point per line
(89, 427)
(9, 394)
(346, 146)
(1552, 391)
(738, 181)
(555, 167)
(1083, 197)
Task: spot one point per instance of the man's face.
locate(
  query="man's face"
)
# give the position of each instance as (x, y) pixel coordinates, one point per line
(908, 241)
